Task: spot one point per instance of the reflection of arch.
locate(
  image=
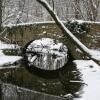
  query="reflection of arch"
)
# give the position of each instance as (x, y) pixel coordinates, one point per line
(64, 75)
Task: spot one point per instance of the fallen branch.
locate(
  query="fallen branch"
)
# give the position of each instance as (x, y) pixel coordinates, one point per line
(66, 32)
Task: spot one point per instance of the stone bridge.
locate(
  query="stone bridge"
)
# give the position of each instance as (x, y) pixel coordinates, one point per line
(23, 33)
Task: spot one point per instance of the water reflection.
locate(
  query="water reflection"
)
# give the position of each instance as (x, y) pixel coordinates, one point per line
(60, 82)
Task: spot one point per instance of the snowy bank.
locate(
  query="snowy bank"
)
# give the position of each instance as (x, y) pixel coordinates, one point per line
(91, 76)
(4, 45)
(8, 60)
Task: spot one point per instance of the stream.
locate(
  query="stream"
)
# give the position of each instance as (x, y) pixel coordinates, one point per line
(60, 83)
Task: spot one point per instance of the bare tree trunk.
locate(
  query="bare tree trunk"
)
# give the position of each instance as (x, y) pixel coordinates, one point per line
(66, 32)
(94, 9)
(0, 14)
(77, 12)
(53, 4)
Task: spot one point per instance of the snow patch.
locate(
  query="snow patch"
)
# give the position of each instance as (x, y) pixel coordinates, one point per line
(8, 60)
(1, 53)
(88, 22)
(7, 46)
(91, 76)
(95, 54)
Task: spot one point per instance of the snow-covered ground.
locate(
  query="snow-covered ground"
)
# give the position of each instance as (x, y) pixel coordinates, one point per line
(7, 46)
(91, 77)
(95, 54)
(4, 59)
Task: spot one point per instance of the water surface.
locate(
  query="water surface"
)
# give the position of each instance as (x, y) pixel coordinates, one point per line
(60, 82)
